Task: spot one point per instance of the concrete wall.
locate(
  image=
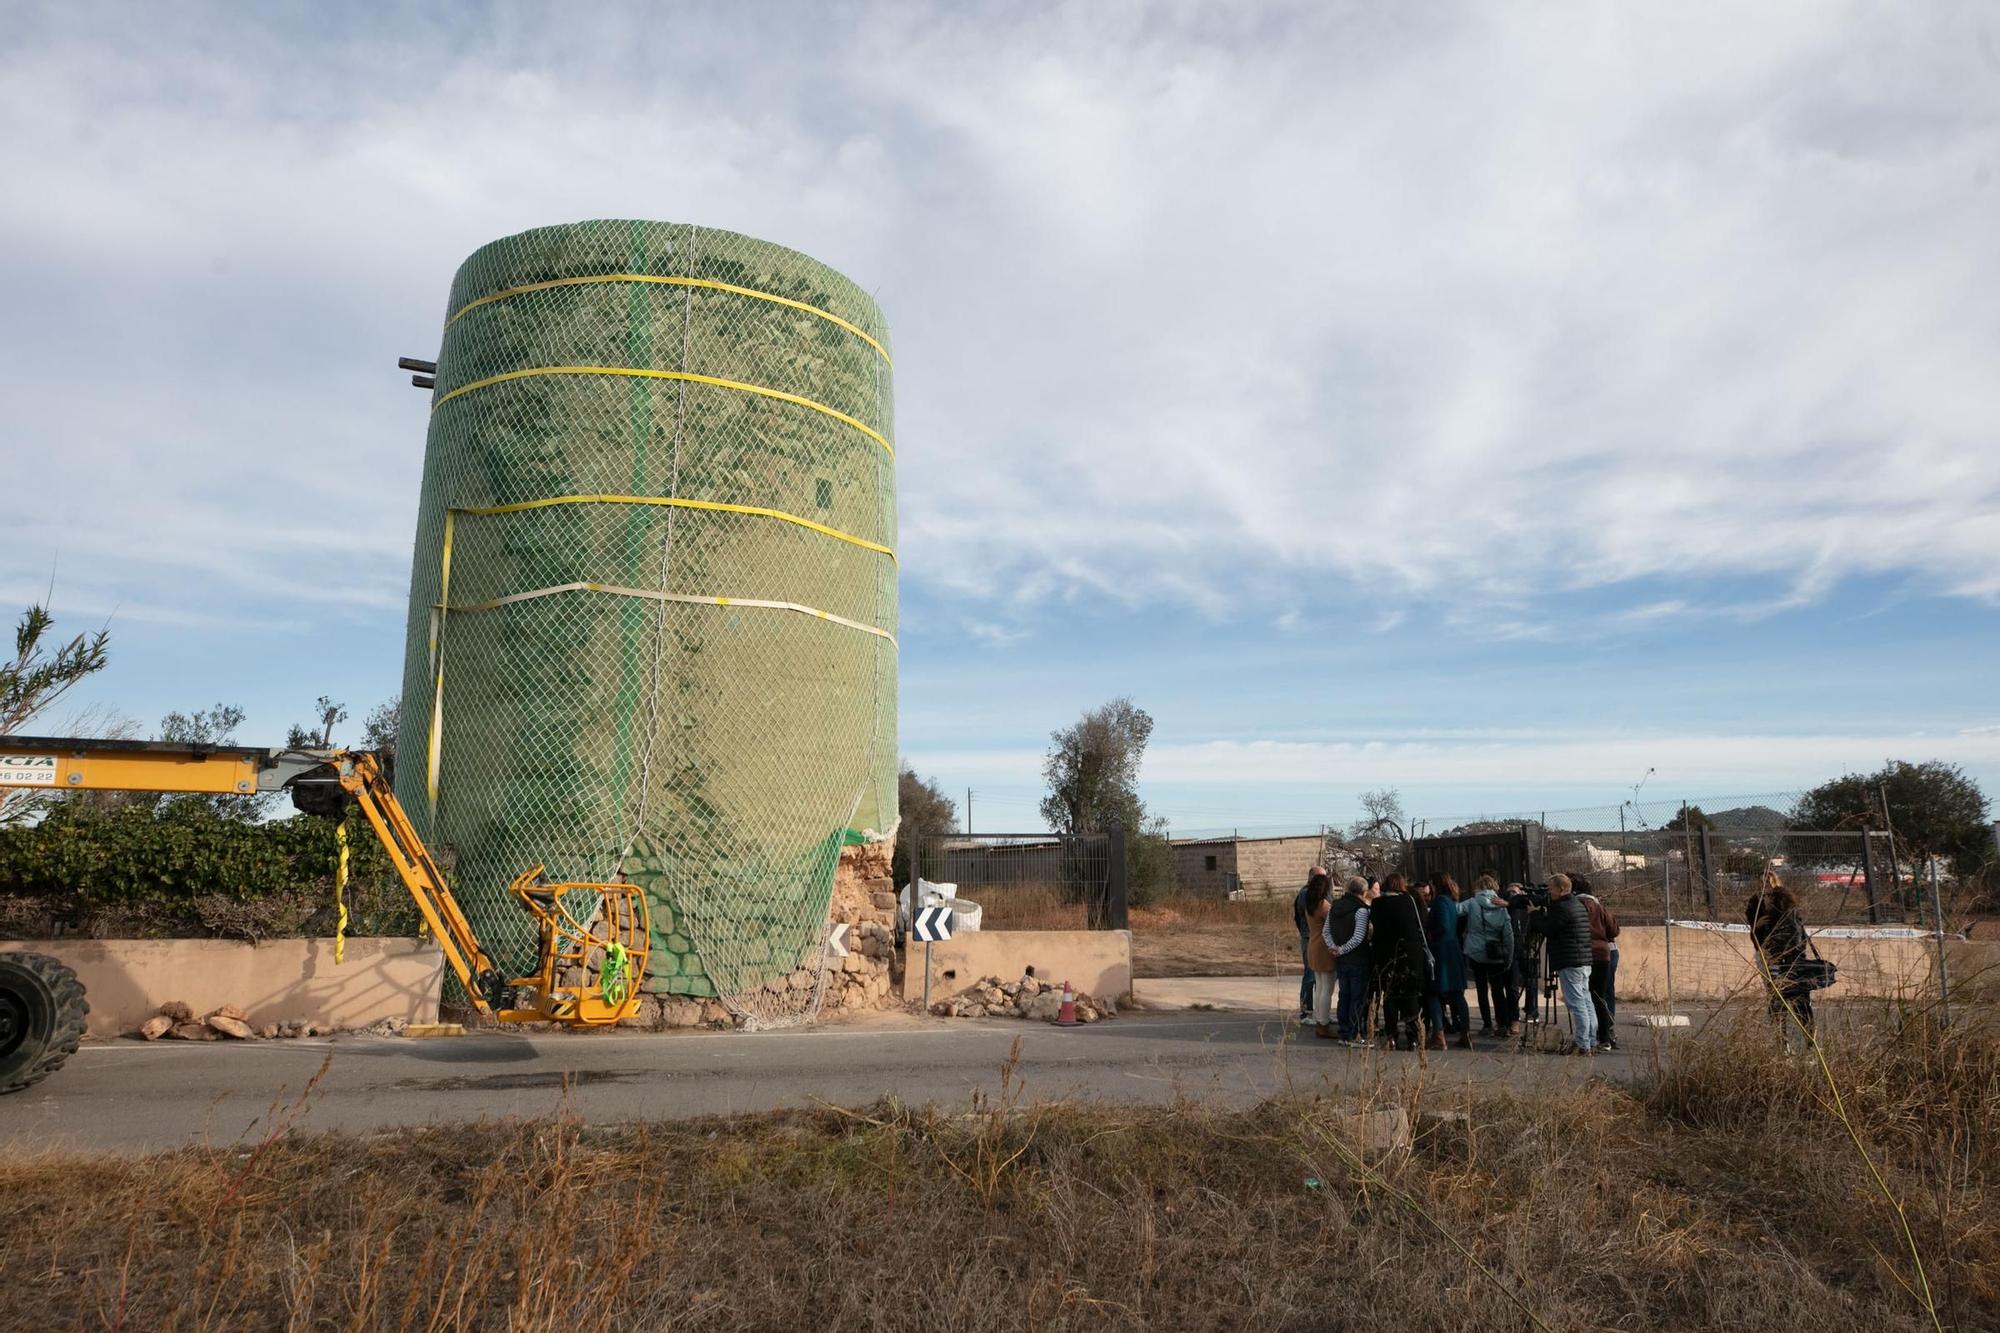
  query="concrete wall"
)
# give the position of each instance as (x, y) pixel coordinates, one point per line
(1262, 866)
(1714, 965)
(1096, 962)
(126, 980)
(1275, 865)
(1192, 875)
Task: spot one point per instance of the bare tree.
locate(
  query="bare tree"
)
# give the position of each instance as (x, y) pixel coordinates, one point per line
(1381, 813)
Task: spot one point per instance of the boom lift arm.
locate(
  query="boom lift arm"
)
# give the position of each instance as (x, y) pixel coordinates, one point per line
(589, 967)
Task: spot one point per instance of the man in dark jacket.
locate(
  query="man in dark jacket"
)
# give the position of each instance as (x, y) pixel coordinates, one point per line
(1528, 922)
(1568, 930)
(1401, 958)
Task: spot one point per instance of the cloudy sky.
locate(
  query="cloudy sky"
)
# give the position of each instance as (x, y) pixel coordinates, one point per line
(1493, 402)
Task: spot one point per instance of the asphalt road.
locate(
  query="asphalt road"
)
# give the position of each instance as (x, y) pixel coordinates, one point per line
(132, 1095)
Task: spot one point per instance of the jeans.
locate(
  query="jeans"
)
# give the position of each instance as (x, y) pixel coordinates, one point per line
(1322, 998)
(1353, 980)
(1575, 982)
(1305, 976)
(1602, 1005)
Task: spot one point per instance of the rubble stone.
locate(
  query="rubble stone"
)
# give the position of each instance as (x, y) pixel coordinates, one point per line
(192, 1032)
(156, 1027)
(229, 1011)
(178, 1011)
(231, 1027)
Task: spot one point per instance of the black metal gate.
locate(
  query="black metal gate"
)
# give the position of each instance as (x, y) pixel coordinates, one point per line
(1502, 853)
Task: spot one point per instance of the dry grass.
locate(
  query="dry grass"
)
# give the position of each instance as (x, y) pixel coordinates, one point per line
(1719, 1193)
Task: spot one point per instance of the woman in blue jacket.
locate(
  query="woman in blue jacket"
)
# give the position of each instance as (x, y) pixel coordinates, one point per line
(1444, 928)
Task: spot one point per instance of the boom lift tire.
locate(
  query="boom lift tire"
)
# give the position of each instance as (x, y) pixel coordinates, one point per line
(41, 1018)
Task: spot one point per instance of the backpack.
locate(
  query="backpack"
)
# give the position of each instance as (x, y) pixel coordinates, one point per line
(1496, 941)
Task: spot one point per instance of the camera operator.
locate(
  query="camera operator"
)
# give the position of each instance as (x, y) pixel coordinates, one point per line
(1568, 931)
(1529, 922)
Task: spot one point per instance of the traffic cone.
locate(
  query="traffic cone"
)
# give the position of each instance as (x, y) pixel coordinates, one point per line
(1066, 1016)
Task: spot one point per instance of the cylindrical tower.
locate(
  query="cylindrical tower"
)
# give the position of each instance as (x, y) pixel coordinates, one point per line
(653, 598)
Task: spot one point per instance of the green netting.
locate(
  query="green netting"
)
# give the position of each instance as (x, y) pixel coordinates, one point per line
(559, 708)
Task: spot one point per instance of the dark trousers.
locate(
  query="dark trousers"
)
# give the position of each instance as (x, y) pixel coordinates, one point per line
(1305, 977)
(1399, 1017)
(1601, 1002)
(1495, 983)
(1528, 977)
(1351, 981)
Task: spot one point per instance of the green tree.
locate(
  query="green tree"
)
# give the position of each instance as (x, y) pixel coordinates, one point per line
(1935, 808)
(927, 815)
(1092, 772)
(43, 671)
(1092, 769)
(1689, 819)
(317, 735)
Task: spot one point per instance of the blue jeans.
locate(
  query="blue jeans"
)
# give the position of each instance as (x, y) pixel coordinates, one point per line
(1575, 982)
(1351, 1011)
(1306, 977)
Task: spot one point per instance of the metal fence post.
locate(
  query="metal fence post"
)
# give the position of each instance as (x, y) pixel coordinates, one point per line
(1707, 875)
(1937, 929)
(1115, 914)
(1868, 877)
(1667, 932)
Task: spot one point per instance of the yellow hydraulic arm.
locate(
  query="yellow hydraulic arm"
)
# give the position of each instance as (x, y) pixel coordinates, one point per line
(589, 969)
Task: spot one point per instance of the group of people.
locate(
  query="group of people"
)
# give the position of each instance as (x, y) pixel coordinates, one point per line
(1391, 957)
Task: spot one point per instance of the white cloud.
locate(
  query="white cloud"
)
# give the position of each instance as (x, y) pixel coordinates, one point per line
(1512, 762)
(1466, 306)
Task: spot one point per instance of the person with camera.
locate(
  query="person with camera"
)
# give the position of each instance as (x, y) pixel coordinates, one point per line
(1489, 954)
(1529, 919)
(1779, 932)
(1568, 930)
(1400, 958)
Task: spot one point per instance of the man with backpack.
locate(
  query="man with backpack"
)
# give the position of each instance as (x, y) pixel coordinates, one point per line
(1489, 954)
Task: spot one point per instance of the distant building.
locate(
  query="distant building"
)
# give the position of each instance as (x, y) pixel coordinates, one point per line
(1260, 867)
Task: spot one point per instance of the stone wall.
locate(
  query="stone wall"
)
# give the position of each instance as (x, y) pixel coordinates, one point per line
(864, 900)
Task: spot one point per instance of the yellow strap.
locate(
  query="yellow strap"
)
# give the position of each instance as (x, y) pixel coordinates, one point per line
(710, 284)
(433, 751)
(672, 501)
(340, 894)
(689, 376)
(687, 598)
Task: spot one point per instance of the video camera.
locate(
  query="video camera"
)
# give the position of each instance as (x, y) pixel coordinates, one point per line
(1536, 894)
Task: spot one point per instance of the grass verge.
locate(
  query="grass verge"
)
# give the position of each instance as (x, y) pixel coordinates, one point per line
(1719, 1191)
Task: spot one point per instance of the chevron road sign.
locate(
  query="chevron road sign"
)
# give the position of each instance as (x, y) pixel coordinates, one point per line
(933, 924)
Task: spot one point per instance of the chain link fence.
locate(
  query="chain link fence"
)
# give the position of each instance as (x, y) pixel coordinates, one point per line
(653, 600)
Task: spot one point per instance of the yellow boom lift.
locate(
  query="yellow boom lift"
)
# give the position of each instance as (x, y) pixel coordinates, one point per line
(593, 950)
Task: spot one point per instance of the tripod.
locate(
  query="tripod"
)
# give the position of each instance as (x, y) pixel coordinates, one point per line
(1551, 1004)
